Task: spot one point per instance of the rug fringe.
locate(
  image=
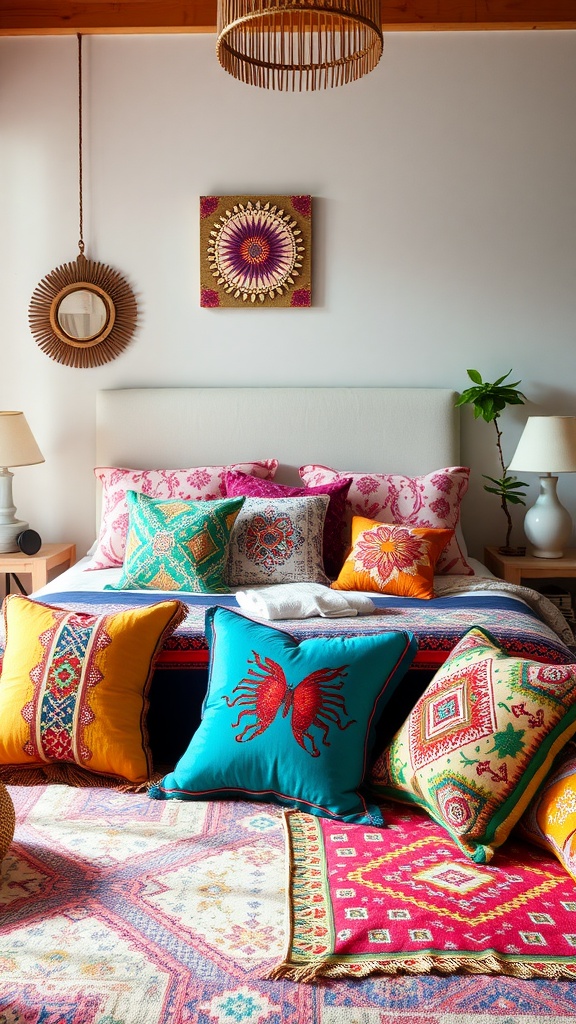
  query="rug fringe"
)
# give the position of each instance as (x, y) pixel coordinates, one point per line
(490, 964)
(305, 975)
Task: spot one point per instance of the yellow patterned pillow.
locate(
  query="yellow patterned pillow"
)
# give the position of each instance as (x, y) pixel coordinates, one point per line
(550, 819)
(73, 689)
(389, 559)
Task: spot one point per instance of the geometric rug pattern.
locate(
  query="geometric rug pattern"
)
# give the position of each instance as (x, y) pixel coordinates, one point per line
(405, 899)
(118, 909)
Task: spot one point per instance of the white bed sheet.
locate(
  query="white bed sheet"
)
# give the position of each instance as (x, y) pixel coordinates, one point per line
(80, 578)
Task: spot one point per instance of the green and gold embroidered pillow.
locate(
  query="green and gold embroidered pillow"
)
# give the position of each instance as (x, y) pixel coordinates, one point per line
(177, 545)
(480, 740)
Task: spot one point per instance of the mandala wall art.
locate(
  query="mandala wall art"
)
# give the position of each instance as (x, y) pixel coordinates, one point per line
(255, 251)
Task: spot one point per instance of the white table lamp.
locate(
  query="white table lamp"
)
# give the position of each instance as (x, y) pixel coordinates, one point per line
(17, 448)
(547, 447)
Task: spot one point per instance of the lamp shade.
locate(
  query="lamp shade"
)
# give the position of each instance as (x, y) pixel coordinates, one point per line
(17, 444)
(547, 445)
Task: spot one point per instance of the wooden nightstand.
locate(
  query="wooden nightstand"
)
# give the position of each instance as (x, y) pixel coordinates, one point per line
(514, 568)
(50, 556)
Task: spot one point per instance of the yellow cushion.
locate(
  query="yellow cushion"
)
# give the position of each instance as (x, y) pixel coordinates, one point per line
(550, 818)
(390, 559)
(73, 688)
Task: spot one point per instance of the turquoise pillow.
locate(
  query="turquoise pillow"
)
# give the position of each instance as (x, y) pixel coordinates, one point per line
(287, 721)
(177, 545)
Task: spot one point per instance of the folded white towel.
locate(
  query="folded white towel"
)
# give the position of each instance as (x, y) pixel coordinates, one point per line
(303, 601)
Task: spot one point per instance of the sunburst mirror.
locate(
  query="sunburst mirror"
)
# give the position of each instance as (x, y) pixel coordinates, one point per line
(83, 313)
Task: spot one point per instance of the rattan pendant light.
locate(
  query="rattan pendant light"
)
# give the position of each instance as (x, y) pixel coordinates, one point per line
(298, 44)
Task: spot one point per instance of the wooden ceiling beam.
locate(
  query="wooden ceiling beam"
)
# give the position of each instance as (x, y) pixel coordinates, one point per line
(61, 17)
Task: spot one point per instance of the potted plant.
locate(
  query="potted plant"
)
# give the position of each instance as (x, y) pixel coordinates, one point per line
(488, 400)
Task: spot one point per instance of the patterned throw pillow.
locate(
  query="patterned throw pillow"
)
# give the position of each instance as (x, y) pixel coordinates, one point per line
(177, 545)
(479, 742)
(550, 818)
(74, 686)
(287, 721)
(395, 560)
(278, 540)
(203, 483)
(432, 501)
(334, 525)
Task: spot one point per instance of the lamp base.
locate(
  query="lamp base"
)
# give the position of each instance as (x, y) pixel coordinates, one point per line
(9, 533)
(10, 527)
(547, 524)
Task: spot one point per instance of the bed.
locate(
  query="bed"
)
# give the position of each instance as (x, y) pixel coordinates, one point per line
(115, 907)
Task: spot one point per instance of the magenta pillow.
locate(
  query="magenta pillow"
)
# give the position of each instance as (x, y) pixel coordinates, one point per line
(334, 539)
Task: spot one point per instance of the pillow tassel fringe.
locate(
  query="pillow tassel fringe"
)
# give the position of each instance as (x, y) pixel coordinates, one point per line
(69, 775)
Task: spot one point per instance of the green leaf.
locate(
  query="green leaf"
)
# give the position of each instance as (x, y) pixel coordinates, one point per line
(471, 394)
(512, 482)
(506, 487)
(486, 404)
(509, 392)
(475, 376)
(500, 379)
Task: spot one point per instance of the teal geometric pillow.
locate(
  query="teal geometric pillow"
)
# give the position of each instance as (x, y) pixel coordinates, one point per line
(287, 721)
(177, 545)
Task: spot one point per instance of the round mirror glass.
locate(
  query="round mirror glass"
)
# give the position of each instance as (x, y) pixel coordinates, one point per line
(82, 314)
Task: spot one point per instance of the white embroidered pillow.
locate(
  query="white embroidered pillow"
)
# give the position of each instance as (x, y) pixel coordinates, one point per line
(432, 501)
(278, 540)
(202, 483)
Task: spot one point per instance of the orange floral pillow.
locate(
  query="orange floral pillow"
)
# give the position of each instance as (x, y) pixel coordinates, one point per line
(550, 818)
(389, 559)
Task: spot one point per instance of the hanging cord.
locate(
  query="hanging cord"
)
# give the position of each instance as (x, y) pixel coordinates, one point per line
(81, 241)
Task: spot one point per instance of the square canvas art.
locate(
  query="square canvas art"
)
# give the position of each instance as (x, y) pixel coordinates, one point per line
(255, 251)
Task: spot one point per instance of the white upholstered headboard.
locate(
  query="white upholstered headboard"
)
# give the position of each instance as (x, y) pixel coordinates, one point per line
(390, 430)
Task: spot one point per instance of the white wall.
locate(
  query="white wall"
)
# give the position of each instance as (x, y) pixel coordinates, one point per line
(444, 231)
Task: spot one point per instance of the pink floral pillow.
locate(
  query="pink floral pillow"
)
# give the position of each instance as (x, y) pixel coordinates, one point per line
(202, 483)
(334, 540)
(425, 501)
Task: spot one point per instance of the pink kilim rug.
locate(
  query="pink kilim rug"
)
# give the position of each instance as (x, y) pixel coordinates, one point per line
(118, 909)
(404, 899)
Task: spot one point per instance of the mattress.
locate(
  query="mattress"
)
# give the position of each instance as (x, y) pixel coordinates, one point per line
(512, 614)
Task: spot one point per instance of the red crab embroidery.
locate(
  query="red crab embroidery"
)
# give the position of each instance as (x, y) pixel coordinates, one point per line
(314, 701)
